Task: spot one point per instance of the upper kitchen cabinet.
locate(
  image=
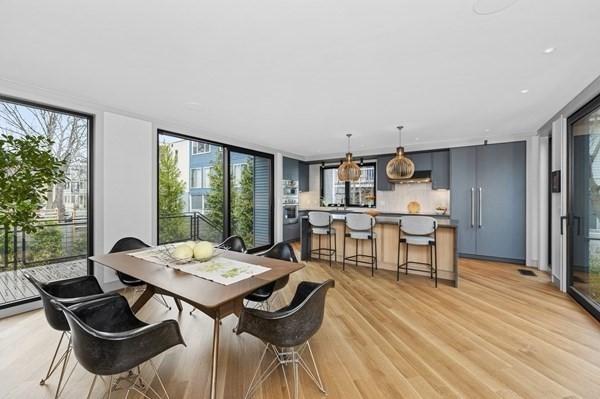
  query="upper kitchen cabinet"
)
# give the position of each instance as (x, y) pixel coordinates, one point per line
(488, 199)
(290, 169)
(303, 176)
(383, 184)
(440, 170)
(422, 160)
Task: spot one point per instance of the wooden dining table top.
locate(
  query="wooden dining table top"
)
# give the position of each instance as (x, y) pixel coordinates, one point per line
(193, 289)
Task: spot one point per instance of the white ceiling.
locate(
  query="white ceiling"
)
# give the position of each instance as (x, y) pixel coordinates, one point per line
(298, 75)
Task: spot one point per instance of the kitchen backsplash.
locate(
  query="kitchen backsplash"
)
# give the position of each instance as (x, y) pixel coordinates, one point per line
(395, 201)
(398, 199)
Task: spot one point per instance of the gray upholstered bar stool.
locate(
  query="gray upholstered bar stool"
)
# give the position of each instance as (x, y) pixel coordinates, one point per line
(420, 231)
(359, 226)
(320, 223)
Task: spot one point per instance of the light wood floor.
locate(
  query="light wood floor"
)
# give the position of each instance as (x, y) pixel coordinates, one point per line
(500, 335)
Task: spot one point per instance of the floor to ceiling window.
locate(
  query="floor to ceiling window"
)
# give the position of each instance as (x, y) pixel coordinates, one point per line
(58, 245)
(209, 191)
(584, 207)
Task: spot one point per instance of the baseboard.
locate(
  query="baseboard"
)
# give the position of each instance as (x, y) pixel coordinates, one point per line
(21, 308)
(493, 258)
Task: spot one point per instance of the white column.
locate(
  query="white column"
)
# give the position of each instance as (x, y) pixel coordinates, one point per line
(543, 187)
(532, 202)
(277, 201)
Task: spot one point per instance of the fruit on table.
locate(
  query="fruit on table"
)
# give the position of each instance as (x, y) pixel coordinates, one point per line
(203, 250)
(182, 252)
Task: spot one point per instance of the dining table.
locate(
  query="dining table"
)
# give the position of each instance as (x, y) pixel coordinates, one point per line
(214, 299)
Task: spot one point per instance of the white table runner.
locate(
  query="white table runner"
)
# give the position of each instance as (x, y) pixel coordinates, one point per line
(218, 269)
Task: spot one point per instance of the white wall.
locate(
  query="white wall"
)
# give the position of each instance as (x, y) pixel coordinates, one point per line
(127, 182)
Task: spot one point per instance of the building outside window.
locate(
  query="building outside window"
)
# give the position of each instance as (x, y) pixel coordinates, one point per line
(196, 176)
(206, 176)
(200, 148)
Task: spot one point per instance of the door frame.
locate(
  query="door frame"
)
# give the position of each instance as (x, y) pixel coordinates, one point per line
(589, 305)
(227, 149)
(90, 180)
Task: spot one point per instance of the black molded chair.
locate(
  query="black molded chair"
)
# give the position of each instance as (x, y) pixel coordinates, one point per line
(129, 244)
(108, 340)
(70, 291)
(287, 332)
(282, 251)
(233, 243)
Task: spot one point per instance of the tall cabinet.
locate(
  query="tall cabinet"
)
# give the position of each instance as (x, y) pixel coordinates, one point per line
(488, 199)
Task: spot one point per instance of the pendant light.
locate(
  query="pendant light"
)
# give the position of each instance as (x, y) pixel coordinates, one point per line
(400, 167)
(348, 170)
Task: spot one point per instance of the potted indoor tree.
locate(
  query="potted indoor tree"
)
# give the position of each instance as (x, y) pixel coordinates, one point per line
(28, 169)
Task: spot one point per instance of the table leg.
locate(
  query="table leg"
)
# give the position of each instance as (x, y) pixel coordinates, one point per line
(215, 354)
(179, 305)
(145, 297)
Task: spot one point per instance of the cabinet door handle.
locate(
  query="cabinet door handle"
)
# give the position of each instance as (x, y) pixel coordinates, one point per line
(480, 207)
(472, 207)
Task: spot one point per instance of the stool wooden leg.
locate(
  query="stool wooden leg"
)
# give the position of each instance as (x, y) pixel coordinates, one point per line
(319, 247)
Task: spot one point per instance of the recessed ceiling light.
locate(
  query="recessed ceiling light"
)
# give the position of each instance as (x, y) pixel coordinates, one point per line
(416, 139)
(193, 105)
(549, 50)
(488, 7)
(487, 130)
(524, 91)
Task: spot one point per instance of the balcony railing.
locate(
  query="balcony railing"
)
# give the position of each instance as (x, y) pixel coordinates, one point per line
(188, 226)
(53, 242)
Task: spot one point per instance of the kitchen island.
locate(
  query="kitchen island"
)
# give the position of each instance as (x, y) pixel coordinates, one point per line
(386, 229)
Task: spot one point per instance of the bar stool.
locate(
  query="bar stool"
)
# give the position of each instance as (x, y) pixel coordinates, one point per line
(320, 223)
(359, 226)
(420, 231)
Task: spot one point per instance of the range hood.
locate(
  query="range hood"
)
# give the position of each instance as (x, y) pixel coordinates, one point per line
(421, 176)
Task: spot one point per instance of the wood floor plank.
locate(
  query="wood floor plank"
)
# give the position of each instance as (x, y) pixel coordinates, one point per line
(500, 335)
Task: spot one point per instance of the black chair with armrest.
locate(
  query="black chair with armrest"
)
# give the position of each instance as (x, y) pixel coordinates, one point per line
(233, 243)
(287, 331)
(69, 292)
(129, 244)
(282, 251)
(109, 340)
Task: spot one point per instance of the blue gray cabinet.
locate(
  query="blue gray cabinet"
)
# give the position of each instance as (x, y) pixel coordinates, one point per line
(303, 177)
(463, 181)
(290, 169)
(383, 184)
(422, 160)
(488, 199)
(440, 170)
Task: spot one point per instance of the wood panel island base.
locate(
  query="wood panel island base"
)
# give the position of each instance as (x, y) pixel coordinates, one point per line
(386, 231)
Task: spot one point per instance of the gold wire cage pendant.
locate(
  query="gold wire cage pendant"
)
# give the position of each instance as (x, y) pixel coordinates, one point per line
(400, 167)
(349, 170)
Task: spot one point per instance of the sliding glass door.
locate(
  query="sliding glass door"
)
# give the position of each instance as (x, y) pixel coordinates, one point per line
(250, 198)
(584, 207)
(60, 242)
(209, 191)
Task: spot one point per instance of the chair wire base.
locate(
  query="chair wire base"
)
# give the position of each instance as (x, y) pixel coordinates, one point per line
(134, 382)
(284, 357)
(62, 362)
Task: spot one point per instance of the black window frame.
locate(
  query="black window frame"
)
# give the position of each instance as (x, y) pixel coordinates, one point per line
(347, 185)
(90, 180)
(227, 149)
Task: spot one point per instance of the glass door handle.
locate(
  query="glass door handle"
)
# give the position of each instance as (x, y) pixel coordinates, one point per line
(562, 219)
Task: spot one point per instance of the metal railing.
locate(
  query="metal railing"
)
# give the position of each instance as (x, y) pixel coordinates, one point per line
(53, 242)
(187, 226)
